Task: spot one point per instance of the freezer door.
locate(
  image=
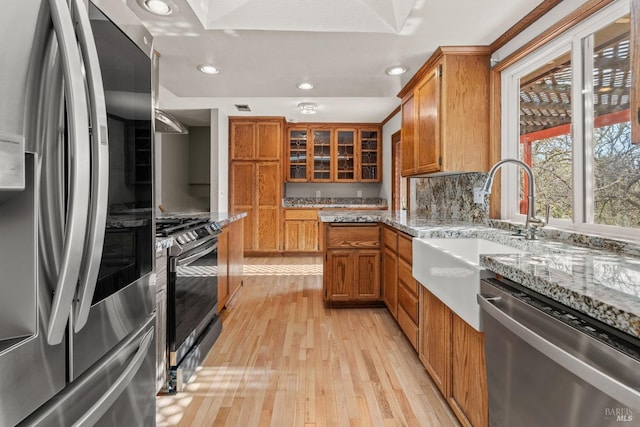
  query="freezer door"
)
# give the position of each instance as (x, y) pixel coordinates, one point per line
(32, 372)
(119, 390)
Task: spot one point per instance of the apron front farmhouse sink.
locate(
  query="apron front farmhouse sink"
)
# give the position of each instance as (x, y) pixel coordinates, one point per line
(449, 268)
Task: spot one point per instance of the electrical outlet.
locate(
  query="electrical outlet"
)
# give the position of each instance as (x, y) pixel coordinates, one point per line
(318, 193)
(359, 192)
(478, 195)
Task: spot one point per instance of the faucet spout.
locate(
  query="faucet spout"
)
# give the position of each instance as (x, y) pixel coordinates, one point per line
(532, 221)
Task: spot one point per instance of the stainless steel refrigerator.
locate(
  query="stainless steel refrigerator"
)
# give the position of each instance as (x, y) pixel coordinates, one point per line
(77, 310)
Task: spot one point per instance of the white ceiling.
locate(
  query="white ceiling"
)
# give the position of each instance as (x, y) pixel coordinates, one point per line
(342, 47)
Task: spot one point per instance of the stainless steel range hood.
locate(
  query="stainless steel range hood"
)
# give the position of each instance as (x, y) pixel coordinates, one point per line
(166, 123)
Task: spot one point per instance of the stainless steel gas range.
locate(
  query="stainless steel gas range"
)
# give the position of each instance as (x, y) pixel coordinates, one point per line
(193, 323)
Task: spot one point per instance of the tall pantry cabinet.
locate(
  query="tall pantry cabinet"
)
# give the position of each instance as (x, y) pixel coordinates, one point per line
(255, 179)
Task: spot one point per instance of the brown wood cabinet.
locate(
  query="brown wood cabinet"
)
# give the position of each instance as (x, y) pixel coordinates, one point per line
(325, 152)
(352, 264)
(469, 396)
(452, 352)
(435, 343)
(235, 265)
(399, 288)
(390, 269)
(445, 113)
(223, 268)
(408, 300)
(255, 138)
(301, 230)
(230, 262)
(255, 180)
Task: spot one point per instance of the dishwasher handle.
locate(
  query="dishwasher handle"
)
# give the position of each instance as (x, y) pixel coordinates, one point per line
(619, 391)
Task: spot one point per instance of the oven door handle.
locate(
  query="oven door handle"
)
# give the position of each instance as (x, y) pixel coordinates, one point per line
(191, 258)
(623, 393)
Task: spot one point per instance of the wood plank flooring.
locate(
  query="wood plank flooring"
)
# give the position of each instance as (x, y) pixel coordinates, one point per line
(283, 359)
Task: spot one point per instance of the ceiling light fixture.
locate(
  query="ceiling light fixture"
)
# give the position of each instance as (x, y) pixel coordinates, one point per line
(305, 86)
(159, 7)
(307, 107)
(396, 70)
(208, 69)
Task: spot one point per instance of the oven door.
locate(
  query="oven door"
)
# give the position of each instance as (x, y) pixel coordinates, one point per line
(192, 296)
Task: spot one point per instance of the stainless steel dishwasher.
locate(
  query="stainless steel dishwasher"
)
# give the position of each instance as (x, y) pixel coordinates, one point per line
(548, 365)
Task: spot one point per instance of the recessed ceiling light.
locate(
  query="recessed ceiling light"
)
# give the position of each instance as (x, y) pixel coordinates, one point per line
(396, 70)
(208, 69)
(307, 107)
(305, 86)
(159, 7)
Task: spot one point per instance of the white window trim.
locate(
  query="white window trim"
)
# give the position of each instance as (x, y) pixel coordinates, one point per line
(570, 40)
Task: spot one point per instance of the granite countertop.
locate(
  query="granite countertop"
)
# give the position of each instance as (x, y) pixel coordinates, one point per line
(222, 219)
(334, 202)
(602, 284)
(163, 243)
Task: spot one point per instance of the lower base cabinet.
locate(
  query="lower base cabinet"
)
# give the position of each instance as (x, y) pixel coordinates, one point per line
(452, 352)
(469, 396)
(230, 262)
(352, 264)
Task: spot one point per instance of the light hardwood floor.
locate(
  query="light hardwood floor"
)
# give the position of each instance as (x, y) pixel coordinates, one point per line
(283, 359)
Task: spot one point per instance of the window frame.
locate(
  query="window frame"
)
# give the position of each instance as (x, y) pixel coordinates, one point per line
(576, 40)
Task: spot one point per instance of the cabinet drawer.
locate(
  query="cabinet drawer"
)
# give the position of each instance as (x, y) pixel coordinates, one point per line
(365, 235)
(390, 238)
(405, 246)
(405, 276)
(408, 302)
(301, 214)
(409, 328)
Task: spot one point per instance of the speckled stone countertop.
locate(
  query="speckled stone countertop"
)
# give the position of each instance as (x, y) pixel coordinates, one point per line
(334, 202)
(163, 243)
(602, 284)
(222, 219)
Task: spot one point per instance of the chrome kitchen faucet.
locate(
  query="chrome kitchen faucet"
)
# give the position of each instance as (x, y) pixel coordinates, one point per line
(533, 223)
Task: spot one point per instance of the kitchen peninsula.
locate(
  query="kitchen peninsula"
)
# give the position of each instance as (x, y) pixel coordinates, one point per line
(600, 283)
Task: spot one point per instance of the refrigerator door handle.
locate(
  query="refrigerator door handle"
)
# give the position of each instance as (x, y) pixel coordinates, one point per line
(117, 388)
(78, 125)
(99, 167)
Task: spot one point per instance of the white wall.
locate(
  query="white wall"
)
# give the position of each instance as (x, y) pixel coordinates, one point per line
(177, 194)
(219, 161)
(389, 128)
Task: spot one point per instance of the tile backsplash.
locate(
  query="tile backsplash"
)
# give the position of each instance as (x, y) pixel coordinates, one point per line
(450, 197)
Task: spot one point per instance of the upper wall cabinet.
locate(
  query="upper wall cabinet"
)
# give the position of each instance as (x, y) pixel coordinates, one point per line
(253, 139)
(333, 153)
(445, 113)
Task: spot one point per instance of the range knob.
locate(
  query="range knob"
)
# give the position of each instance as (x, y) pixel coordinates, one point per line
(193, 235)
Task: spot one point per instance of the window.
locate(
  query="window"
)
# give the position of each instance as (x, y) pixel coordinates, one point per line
(566, 112)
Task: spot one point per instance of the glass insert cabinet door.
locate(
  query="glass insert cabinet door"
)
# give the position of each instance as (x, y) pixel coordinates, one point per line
(322, 155)
(298, 155)
(369, 155)
(345, 159)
